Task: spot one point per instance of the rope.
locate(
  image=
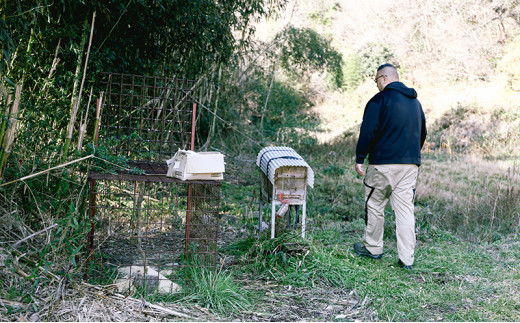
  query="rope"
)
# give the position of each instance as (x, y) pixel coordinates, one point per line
(284, 157)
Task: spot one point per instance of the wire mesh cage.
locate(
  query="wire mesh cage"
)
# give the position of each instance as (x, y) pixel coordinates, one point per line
(146, 118)
(155, 227)
(147, 229)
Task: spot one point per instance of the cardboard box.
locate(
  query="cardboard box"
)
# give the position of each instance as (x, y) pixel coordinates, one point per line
(190, 165)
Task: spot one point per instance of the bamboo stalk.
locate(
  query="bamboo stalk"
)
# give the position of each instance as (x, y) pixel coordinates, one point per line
(4, 112)
(55, 61)
(34, 234)
(46, 171)
(97, 123)
(74, 106)
(209, 98)
(2, 91)
(266, 101)
(13, 119)
(47, 82)
(212, 130)
(83, 123)
(76, 101)
(5, 122)
(28, 51)
(82, 130)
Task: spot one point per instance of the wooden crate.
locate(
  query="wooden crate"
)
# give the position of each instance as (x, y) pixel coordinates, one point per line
(289, 180)
(283, 171)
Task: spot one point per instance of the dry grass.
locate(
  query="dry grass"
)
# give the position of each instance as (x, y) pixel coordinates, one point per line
(456, 178)
(478, 198)
(63, 301)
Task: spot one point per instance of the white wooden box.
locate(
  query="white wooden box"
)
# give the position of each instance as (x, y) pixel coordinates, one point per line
(190, 165)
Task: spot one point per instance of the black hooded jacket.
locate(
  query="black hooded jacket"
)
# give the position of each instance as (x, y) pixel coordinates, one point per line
(393, 129)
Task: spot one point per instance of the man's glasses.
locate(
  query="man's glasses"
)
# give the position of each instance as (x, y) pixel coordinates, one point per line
(378, 77)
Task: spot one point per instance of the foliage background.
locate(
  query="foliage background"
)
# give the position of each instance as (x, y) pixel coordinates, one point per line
(294, 73)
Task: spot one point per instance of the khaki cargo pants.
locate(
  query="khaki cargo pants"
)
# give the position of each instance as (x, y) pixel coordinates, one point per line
(397, 184)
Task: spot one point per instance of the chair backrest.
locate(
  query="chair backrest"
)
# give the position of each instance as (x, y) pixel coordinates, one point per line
(145, 118)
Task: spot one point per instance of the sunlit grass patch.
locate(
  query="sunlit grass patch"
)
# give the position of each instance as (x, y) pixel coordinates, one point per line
(216, 291)
(479, 199)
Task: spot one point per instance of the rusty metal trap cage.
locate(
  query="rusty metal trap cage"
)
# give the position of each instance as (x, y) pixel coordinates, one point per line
(147, 229)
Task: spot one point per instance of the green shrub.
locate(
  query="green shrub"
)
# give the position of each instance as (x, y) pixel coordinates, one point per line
(352, 73)
(304, 49)
(371, 56)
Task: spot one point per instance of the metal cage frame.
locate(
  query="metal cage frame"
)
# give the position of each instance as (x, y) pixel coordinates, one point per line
(138, 215)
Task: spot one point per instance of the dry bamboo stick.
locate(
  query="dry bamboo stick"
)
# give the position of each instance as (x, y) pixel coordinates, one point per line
(11, 303)
(4, 126)
(166, 310)
(34, 234)
(2, 91)
(97, 123)
(148, 304)
(213, 124)
(267, 100)
(83, 123)
(55, 61)
(75, 107)
(209, 98)
(46, 171)
(13, 118)
(88, 55)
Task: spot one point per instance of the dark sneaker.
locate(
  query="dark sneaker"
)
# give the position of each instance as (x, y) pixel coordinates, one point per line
(361, 250)
(400, 264)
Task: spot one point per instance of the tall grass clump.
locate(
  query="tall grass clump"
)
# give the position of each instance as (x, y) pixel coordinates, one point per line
(493, 212)
(478, 199)
(216, 291)
(291, 260)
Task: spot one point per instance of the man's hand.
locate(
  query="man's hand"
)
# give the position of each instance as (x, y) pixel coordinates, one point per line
(359, 169)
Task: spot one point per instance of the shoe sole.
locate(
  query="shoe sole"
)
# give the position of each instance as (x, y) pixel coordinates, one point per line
(400, 264)
(368, 255)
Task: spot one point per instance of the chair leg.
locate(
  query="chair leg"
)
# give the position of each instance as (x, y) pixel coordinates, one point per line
(303, 218)
(273, 218)
(297, 216)
(289, 217)
(260, 211)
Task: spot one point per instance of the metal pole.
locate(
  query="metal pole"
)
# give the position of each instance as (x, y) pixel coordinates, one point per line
(260, 207)
(273, 212)
(193, 120)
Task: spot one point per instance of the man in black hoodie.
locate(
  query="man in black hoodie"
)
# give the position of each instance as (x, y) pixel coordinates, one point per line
(392, 135)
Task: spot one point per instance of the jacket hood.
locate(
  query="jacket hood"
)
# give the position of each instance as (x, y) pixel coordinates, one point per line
(400, 87)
